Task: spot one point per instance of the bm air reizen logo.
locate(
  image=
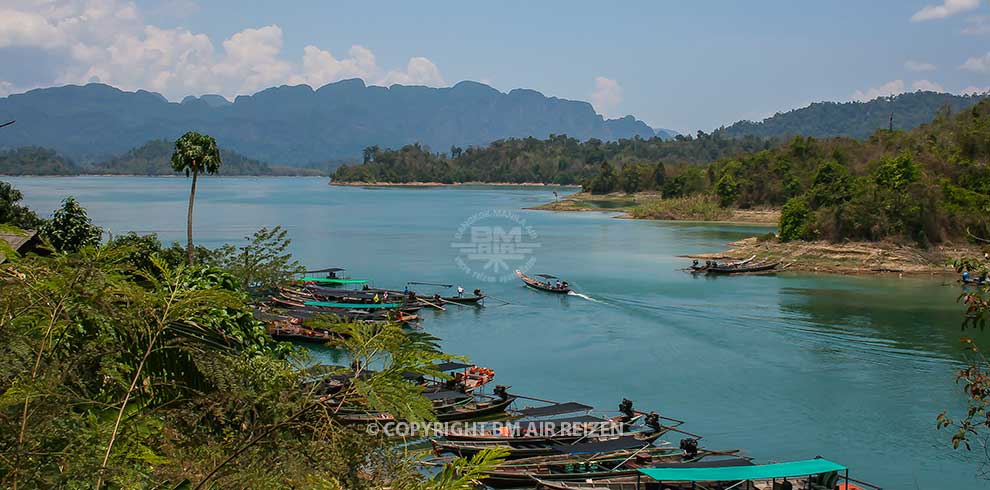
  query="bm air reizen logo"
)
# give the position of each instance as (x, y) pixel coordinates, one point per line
(493, 244)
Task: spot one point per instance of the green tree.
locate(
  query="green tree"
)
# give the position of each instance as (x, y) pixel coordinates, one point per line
(13, 213)
(659, 176)
(606, 181)
(896, 173)
(70, 229)
(831, 185)
(727, 189)
(796, 220)
(629, 178)
(262, 263)
(195, 153)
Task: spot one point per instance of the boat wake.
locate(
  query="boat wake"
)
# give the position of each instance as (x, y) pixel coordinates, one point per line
(579, 295)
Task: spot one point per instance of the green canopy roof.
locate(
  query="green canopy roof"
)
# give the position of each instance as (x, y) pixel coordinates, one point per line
(356, 306)
(742, 473)
(335, 281)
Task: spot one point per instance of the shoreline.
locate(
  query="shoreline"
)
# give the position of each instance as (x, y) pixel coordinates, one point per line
(624, 205)
(168, 176)
(454, 184)
(848, 258)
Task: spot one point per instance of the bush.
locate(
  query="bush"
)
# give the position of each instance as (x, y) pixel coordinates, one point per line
(727, 190)
(698, 207)
(70, 229)
(796, 220)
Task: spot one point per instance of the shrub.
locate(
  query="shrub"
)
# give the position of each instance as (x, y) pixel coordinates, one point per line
(796, 220)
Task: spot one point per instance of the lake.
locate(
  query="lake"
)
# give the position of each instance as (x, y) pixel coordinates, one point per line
(786, 366)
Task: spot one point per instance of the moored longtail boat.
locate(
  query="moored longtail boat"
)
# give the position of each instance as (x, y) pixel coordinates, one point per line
(446, 408)
(815, 474)
(596, 461)
(740, 269)
(526, 449)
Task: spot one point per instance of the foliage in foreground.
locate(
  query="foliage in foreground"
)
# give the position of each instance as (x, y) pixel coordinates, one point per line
(973, 427)
(120, 366)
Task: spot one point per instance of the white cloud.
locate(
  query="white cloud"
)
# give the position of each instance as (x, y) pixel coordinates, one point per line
(973, 90)
(606, 96)
(892, 87)
(918, 66)
(895, 87)
(927, 86)
(977, 25)
(948, 8)
(419, 71)
(6, 88)
(979, 64)
(108, 40)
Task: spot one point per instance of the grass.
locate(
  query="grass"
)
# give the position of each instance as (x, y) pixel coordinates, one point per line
(699, 207)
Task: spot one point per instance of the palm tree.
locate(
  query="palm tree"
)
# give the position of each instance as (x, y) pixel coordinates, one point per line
(195, 153)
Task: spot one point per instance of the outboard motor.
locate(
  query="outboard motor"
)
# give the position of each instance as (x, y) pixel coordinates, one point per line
(690, 447)
(653, 421)
(626, 408)
(500, 392)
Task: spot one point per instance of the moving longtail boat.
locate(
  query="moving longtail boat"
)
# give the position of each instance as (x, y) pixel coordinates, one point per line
(598, 460)
(550, 284)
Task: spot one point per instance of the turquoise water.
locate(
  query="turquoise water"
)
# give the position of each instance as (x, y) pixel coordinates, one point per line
(786, 366)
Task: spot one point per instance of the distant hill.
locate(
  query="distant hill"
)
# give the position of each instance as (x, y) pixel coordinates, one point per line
(298, 125)
(854, 119)
(665, 134)
(32, 160)
(151, 158)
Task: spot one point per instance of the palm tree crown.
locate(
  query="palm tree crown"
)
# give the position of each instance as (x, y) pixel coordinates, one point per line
(196, 153)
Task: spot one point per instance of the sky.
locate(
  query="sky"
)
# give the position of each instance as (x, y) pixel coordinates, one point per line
(679, 65)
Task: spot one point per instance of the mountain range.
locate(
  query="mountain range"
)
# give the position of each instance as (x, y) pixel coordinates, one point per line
(96, 124)
(855, 119)
(296, 125)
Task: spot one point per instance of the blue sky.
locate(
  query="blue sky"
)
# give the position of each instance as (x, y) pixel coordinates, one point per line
(680, 65)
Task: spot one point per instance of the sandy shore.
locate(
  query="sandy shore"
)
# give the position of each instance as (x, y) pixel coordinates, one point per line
(848, 257)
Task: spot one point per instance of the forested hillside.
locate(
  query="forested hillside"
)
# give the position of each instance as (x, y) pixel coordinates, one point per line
(854, 119)
(558, 159)
(929, 184)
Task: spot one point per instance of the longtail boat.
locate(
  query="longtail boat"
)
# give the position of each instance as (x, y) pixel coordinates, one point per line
(526, 449)
(595, 461)
(739, 269)
(549, 285)
(447, 406)
(815, 474)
